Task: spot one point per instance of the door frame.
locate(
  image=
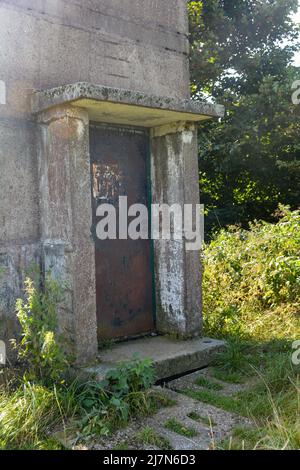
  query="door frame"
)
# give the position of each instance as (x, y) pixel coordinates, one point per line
(67, 247)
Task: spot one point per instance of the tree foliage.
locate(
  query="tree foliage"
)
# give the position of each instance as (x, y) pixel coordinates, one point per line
(241, 55)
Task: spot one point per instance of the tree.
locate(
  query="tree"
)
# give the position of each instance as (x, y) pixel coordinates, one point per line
(250, 161)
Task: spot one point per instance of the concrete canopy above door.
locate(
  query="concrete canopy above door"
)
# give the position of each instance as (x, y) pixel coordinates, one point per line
(119, 106)
(64, 115)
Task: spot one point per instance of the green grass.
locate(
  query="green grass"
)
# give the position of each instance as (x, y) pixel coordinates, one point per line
(209, 384)
(231, 404)
(162, 399)
(252, 300)
(122, 446)
(148, 436)
(175, 426)
(30, 412)
(206, 420)
(281, 436)
(272, 404)
(251, 283)
(274, 397)
(228, 377)
(242, 439)
(50, 444)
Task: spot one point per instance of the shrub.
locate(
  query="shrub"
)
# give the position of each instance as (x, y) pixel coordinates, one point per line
(122, 394)
(252, 280)
(252, 298)
(40, 346)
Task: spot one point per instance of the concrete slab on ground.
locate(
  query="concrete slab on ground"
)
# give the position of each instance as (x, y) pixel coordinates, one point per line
(170, 357)
(204, 380)
(209, 426)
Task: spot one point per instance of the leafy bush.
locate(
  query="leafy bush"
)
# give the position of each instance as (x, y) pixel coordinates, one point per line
(122, 394)
(40, 346)
(252, 298)
(252, 280)
(130, 377)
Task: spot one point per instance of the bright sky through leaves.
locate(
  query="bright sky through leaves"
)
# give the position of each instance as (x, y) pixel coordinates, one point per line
(297, 56)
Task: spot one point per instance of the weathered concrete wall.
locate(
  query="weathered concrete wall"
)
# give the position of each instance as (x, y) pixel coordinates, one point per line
(177, 270)
(19, 215)
(66, 219)
(134, 44)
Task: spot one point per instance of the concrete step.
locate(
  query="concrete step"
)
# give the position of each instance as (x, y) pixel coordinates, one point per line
(171, 357)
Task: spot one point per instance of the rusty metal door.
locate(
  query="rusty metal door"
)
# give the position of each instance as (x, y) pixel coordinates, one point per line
(124, 277)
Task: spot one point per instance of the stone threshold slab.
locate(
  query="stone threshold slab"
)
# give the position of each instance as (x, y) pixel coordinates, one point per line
(170, 357)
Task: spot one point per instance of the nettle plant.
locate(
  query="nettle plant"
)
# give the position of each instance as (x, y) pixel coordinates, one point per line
(40, 346)
(125, 392)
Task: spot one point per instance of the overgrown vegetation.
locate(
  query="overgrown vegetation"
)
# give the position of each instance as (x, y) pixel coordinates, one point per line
(204, 382)
(30, 411)
(149, 436)
(252, 282)
(124, 393)
(40, 348)
(252, 298)
(206, 420)
(44, 398)
(176, 426)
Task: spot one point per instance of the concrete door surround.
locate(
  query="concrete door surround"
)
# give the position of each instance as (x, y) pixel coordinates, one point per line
(63, 116)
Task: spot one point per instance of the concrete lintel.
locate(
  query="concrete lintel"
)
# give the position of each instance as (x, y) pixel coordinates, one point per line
(170, 357)
(173, 128)
(60, 112)
(120, 106)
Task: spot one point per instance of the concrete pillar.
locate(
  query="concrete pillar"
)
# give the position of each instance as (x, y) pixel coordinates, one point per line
(175, 180)
(66, 219)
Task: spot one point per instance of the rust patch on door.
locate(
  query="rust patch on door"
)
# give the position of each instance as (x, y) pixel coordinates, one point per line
(107, 181)
(123, 267)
